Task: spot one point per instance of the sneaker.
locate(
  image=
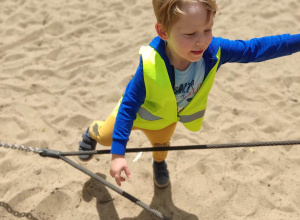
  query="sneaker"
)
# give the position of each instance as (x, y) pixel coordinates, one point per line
(86, 144)
(161, 174)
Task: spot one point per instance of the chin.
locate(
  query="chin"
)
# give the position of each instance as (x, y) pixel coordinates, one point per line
(195, 59)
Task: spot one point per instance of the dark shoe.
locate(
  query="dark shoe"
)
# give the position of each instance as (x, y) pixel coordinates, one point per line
(161, 174)
(86, 144)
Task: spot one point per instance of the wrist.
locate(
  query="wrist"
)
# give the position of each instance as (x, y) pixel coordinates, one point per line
(116, 156)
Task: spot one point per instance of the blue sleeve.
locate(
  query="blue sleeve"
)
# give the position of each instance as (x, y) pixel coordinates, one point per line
(259, 49)
(133, 98)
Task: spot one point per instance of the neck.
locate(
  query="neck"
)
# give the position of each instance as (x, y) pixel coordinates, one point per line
(179, 64)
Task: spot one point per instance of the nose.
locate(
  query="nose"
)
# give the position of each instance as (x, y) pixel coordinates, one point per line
(199, 43)
(199, 40)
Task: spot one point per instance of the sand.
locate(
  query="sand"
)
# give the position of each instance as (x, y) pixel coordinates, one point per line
(65, 63)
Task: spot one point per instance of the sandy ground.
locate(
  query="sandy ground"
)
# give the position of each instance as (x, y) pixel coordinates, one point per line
(65, 63)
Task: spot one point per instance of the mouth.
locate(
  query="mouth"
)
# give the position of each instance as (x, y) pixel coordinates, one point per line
(197, 52)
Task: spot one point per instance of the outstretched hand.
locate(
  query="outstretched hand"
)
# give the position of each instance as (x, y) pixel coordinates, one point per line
(117, 165)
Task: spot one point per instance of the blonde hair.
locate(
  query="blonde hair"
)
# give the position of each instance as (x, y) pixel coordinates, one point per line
(167, 11)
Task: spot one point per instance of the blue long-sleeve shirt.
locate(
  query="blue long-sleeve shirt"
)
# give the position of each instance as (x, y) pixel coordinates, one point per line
(239, 51)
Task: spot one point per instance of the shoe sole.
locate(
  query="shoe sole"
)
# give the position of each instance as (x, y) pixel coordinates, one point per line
(86, 160)
(160, 185)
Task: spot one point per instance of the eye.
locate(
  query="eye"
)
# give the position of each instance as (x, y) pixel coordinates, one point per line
(190, 34)
(208, 30)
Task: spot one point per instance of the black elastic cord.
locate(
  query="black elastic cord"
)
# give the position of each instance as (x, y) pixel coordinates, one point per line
(190, 147)
(61, 155)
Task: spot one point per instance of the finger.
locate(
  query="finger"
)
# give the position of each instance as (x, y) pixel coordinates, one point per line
(117, 178)
(127, 172)
(112, 173)
(122, 179)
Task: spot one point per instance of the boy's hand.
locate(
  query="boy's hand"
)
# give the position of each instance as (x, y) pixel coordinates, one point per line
(117, 165)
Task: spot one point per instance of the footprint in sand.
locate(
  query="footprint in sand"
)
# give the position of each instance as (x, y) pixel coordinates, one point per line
(244, 202)
(53, 205)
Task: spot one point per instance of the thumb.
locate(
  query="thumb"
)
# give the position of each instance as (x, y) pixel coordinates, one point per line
(127, 172)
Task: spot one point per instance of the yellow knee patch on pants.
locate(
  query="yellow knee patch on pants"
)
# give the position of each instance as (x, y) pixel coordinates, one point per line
(159, 156)
(94, 130)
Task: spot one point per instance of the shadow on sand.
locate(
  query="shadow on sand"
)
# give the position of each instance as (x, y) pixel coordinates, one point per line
(162, 202)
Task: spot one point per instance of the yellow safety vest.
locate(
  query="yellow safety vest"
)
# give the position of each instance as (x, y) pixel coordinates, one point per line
(160, 107)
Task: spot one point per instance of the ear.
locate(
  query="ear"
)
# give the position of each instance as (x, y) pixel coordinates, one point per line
(162, 33)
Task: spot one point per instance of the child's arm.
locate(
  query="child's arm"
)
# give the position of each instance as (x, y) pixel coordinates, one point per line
(133, 98)
(258, 49)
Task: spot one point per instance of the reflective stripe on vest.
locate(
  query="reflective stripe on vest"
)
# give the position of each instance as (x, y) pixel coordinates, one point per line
(146, 115)
(190, 118)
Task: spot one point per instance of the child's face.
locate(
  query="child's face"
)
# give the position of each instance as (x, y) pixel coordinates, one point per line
(190, 36)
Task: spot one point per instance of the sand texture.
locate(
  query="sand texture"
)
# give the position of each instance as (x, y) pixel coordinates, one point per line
(66, 63)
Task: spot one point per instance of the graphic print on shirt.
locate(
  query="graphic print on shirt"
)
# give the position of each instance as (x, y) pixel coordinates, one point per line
(188, 82)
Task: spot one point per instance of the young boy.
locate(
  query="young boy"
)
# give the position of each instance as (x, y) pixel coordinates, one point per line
(173, 80)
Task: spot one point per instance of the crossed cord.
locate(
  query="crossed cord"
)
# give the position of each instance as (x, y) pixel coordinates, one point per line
(62, 155)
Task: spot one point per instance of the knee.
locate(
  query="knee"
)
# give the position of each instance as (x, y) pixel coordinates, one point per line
(96, 134)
